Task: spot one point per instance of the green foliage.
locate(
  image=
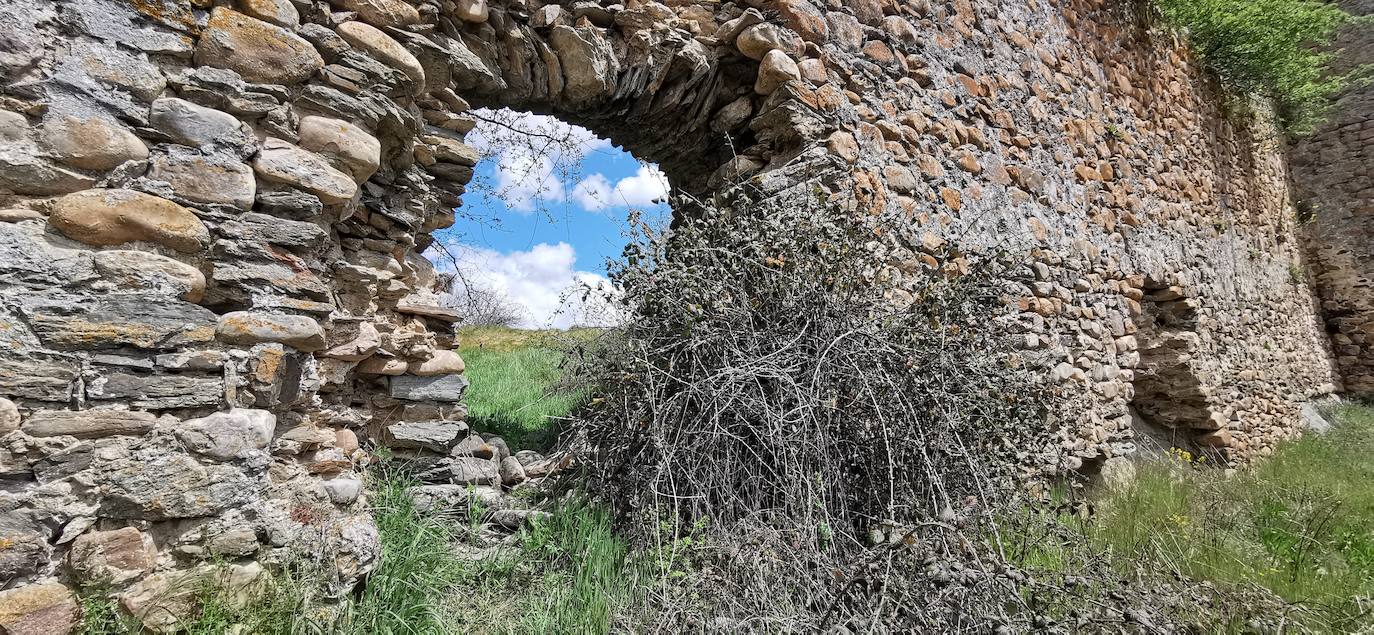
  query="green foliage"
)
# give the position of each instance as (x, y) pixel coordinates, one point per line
(1300, 524)
(279, 606)
(276, 603)
(1296, 273)
(405, 593)
(1266, 47)
(516, 384)
(100, 615)
(566, 574)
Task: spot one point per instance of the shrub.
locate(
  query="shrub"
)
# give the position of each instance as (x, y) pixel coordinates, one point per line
(785, 395)
(1268, 48)
(804, 429)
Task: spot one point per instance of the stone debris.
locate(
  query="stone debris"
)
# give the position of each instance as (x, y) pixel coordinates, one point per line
(350, 147)
(245, 327)
(374, 42)
(213, 179)
(279, 12)
(9, 416)
(282, 162)
(39, 609)
(135, 270)
(439, 436)
(382, 13)
(259, 51)
(88, 424)
(112, 557)
(92, 144)
(441, 363)
(443, 388)
(230, 435)
(775, 70)
(193, 125)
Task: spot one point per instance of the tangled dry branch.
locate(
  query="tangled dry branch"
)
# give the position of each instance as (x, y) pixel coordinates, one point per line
(768, 386)
(806, 445)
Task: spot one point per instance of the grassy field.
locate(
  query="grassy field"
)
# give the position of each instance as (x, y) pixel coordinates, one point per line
(1300, 524)
(516, 386)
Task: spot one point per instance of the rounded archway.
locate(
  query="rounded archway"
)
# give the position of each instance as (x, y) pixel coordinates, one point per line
(215, 213)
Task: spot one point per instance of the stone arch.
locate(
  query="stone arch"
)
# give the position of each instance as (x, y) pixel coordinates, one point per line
(1171, 404)
(213, 213)
(705, 96)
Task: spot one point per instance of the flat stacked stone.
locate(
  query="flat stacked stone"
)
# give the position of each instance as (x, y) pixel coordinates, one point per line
(215, 219)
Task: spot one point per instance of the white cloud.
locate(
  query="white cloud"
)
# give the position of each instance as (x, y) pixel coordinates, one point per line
(536, 155)
(543, 282)
(523, 179)
(649, 186)
(593, 193)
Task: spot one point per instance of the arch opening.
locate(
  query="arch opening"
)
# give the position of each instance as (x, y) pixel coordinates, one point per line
(549, 204)
(1171, 407)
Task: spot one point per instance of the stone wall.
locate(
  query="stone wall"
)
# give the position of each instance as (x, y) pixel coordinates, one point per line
(213, 212)
(1335, 188)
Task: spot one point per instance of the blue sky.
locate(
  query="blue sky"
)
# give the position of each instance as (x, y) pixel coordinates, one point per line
(545, 211)
(595, 234)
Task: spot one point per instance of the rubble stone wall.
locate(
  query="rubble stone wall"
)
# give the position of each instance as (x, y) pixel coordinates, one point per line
(1335, 190)
(213, 212)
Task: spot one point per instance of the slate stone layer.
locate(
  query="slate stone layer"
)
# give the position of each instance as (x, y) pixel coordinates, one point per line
(212, 215)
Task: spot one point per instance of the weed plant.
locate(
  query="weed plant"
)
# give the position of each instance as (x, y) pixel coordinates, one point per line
(405, 594)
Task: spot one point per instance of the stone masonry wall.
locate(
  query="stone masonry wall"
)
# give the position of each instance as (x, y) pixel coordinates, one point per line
(213, 210)
(1335, 187)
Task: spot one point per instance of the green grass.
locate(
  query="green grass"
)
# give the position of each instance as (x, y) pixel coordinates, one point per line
(567, 574)
(272, 604)
(516, 383)
(562, 575)
(1300, 524)
(405, 594)
(100, 615)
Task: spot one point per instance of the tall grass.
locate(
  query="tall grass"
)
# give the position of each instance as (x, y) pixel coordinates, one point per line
(585, 571)
(566, 574)
(517, 388)
(405, 594)
(1300, 524)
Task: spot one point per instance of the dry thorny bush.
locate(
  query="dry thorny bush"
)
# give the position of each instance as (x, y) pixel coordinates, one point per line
(801, 452)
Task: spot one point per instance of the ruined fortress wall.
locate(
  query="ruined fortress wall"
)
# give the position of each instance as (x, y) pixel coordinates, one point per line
(1335, 189)
(210, 285)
